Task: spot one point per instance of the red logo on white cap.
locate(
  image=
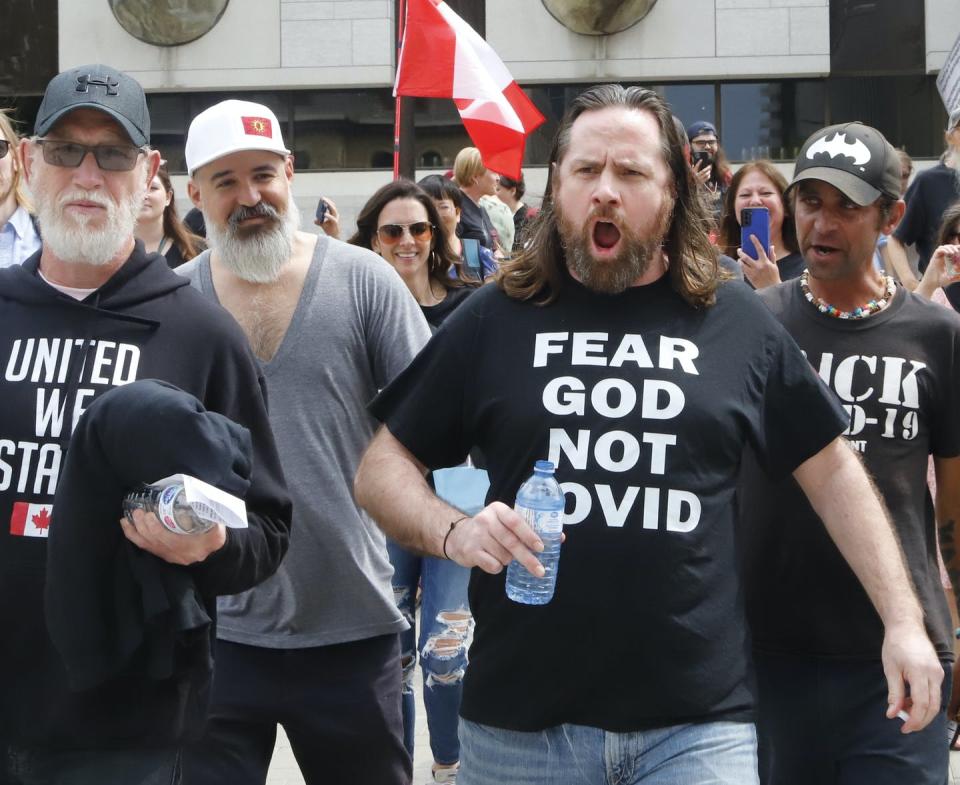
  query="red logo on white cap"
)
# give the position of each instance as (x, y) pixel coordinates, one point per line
(257, 126)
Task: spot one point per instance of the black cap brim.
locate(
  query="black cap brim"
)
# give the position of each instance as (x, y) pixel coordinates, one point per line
(848, 184)
(135, 135)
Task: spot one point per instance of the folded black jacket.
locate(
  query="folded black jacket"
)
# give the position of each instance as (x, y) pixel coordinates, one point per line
(140, 613)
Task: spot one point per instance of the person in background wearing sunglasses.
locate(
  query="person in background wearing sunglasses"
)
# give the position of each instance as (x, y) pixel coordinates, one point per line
(19, 236)
(402, 223)
(90, 312)
(316, 648)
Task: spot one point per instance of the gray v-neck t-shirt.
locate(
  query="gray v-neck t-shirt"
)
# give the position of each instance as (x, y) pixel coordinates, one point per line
(355, 327)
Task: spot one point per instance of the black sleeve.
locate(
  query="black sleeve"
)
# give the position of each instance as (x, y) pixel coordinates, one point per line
(427, 407)
(911, 227)
(945, 430)
(253, 554)
(798, 415)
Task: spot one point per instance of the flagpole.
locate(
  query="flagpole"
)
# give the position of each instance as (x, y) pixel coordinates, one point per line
(401, 24)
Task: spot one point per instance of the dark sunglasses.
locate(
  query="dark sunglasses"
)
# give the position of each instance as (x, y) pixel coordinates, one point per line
(4, 148)
(391, 233)
(110, 157)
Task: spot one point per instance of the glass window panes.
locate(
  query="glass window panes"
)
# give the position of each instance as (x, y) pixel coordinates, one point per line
(769, 119)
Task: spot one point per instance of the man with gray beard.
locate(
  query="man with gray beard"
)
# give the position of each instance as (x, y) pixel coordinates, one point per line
(89, 312)
(612, 348)
(315, 649)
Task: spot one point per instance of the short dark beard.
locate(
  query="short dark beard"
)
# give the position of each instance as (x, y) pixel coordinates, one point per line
(618, 274)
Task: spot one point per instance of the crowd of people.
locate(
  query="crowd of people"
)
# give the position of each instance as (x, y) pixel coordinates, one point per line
(759, 447)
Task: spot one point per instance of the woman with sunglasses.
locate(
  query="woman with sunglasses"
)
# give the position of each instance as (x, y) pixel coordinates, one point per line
(159, 226)
(401, 223)
(19, 237)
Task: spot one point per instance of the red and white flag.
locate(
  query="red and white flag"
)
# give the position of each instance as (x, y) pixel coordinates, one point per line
(443, 57)
(30, 520)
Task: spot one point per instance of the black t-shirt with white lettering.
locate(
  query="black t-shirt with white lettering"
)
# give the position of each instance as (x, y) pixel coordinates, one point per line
(897, 373)
(644, 404)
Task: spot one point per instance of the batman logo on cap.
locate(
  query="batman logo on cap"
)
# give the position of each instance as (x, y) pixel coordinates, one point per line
(837, 145)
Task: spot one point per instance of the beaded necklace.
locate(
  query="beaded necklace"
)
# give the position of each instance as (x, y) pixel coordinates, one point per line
(860, 312)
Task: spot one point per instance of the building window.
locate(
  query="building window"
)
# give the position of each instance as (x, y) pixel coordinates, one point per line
(353, 129)
(769, 119)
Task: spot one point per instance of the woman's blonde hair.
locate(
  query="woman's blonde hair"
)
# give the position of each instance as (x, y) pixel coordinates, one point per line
(467, 166)
(19, 182)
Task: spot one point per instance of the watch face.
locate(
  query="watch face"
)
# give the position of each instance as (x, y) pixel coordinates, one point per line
(598, 17)
(168, 22)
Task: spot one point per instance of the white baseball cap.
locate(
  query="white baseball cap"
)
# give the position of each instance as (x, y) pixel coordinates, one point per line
(230, 127)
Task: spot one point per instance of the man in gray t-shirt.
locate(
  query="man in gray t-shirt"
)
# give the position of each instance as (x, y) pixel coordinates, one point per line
(315, 648)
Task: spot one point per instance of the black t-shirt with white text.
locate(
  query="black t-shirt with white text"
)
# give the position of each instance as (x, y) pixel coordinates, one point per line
(644, 404)
(896, 374)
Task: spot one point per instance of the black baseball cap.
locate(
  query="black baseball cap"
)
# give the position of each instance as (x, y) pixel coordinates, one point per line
(96, 87)
(854, 158)
(700, 127)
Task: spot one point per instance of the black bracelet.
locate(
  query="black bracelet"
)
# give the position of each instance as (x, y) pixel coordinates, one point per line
(446, 537)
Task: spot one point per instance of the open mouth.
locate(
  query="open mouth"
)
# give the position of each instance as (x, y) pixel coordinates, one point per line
(823, 250)
(605, 235)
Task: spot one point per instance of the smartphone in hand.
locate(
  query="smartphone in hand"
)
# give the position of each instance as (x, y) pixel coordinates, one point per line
(703, 156)
(754, 222)
(321, 211)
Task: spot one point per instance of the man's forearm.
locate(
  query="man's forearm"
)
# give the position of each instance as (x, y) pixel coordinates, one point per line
(847, 502)
(948, 515)
(896, 255)
(391, 486)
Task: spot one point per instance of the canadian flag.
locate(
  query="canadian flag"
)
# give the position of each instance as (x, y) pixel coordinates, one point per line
(30, 520)
(443, 57)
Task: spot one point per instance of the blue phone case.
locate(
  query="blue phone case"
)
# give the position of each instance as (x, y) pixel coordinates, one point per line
(754, 221)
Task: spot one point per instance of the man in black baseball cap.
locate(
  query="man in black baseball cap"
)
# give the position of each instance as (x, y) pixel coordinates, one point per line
(709, 164)
(826, 712)
(96, 87)
(88, 312)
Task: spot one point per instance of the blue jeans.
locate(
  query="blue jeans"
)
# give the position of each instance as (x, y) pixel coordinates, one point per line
(445, 625)
(712, 753)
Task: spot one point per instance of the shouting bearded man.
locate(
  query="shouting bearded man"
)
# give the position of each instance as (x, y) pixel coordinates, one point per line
(611, 348)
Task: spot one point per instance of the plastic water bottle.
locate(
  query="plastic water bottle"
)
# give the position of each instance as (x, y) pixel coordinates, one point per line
(540, 503)
(170, 505)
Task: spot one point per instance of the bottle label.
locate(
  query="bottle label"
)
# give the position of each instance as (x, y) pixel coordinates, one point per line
(165, 508)
(541, 521)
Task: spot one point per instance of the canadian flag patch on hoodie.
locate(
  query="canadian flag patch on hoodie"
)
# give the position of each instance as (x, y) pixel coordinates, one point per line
(30, 520)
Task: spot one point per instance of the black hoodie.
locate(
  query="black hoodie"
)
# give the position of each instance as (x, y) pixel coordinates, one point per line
(57, 356)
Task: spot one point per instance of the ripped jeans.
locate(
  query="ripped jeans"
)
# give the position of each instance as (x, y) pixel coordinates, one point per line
(445, 627)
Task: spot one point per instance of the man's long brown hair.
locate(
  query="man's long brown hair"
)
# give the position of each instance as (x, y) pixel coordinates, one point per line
(537, 273)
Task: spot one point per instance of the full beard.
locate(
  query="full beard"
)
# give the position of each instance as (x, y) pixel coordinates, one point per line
(256, 255)
(72, 239)
(613, 275)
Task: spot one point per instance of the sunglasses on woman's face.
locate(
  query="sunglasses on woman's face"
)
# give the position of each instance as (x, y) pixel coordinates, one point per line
(4, 148)
(392, 233)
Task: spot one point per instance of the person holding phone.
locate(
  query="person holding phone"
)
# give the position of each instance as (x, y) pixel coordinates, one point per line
(709, 164)
(327, 217)
(759, 184)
